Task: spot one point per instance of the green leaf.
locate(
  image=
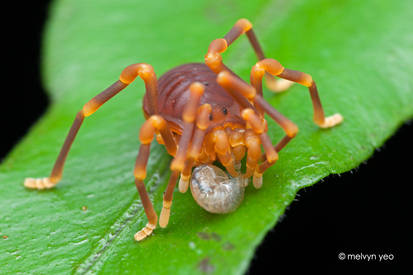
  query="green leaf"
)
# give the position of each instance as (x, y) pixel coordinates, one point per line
(359, 52)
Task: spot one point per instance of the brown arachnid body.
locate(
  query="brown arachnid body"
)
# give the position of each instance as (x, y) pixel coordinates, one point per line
(204, 113)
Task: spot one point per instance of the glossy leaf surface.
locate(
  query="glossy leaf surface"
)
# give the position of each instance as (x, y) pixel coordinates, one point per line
(359, 52)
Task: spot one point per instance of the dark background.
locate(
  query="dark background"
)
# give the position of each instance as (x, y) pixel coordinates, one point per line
(367, 210)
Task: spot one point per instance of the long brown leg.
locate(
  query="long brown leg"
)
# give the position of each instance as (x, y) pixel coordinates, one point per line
(271, 66)
(214, 59)
(147, 73)
(178, 163)
(253, 144)
(270, 156)
(167, 199)
(146, 134)
(202, 123)
(275, 68)
(188, 116)
(235, 85)
(140, 175)
(193, 152)
(257, 122)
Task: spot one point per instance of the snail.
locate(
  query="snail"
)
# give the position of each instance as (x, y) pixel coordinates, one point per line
(215, 191)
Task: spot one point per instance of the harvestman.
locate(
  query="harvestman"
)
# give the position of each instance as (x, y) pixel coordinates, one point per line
(204, 113)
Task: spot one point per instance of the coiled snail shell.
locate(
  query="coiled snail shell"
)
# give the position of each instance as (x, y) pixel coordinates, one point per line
(215, 191)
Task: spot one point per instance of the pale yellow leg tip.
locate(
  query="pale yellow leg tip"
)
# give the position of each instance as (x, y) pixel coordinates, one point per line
(164, 217)
(144, 232)
(139, 236)
(257, 180)
(39, 183)
(183, 185)
(332, 121)
(278, 85)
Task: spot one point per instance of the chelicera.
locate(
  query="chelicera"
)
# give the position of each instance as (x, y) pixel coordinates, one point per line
(204, 113)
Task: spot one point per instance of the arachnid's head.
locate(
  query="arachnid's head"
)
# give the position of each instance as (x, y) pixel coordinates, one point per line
(213, 120)
(222, 190)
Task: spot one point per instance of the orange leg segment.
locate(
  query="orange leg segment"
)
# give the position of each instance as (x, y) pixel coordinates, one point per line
(275, 68)
(234, 85)
(150, 127)
(202, 123)
(167, 200)
(223, 150)
(140, 174)
(146, 135)
(253, 144)
(181, 163)
(189, 114)
(256, 121)
(213, 58)
(155, 124)
(145, 71)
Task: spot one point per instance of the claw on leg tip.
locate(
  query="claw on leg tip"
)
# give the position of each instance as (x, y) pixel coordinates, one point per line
(183, 185)
(144, 232)
(164, 217)
(39, 183)
(332, 121)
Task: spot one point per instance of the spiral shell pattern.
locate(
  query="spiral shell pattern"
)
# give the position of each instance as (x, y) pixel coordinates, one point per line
(215, 191)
